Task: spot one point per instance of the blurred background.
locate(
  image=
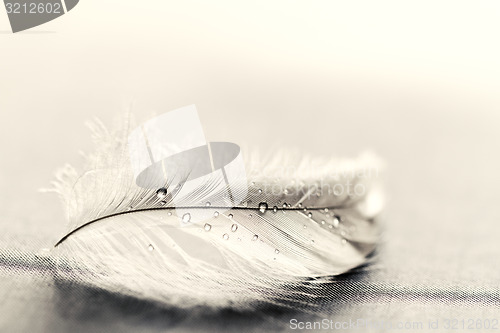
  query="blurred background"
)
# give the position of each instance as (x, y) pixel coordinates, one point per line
(415, 82)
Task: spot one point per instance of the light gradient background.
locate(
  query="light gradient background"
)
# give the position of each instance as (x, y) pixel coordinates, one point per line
(416, 82)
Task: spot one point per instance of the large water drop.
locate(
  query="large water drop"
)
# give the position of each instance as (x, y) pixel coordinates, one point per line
(263, 207)
(161, 193)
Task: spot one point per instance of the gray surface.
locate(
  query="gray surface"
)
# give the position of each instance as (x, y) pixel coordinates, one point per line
(328, 86)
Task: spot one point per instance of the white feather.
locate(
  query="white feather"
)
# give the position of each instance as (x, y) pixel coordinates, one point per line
(123, 239)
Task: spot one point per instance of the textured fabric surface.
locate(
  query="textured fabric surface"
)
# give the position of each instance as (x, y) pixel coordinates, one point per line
(34, 299)
(438, 258)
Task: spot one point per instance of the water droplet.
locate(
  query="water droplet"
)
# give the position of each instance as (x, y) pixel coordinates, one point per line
(309, 215)
(230, 216)
(330, 226)
(161, 193)
(275, 209)
(130, 207)
(255, 237)
(186, 218)
(326, 210)
(344, 241)
(322, 222)
(304, 226)
(284, 205)
(216, 214)
(250, 215)
(225, 236)
(208, 204)
(286, 191)
(260, 191)
(300, 204)
(234, 227)
(335, 222)
(312, 241)
(277, 251)
(253, 183)
(150, 247)
(207, 227)
(163, 202)
(169, 213)
(239, 239)
(263, 207)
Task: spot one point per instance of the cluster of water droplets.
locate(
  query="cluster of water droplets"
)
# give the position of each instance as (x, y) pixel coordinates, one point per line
(234, 227)
(263, 207)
